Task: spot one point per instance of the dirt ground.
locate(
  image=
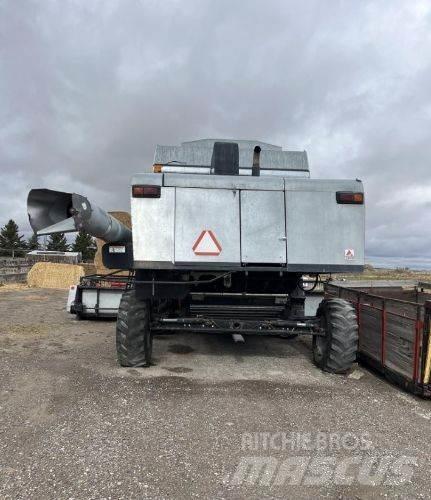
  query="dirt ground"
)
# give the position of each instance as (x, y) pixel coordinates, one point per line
(74, 424)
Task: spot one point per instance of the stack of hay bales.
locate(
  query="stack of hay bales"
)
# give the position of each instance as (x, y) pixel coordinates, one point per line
(123, 217)
(52, 275)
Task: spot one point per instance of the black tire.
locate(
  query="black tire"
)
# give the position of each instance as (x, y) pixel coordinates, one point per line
(134, 338)
(336, 352)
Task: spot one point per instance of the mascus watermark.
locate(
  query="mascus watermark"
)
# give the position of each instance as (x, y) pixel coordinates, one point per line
(319, 459)
(321, 471)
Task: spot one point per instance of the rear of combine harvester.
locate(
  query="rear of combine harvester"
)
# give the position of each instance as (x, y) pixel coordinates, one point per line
(222, 233)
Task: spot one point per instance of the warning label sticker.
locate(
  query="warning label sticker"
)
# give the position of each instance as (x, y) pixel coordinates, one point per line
(349, 253)
(207, 244)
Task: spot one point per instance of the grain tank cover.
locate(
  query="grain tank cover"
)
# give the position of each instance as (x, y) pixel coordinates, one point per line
(196, 157)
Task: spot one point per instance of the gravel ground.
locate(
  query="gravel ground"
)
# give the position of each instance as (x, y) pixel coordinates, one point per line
(75, 425)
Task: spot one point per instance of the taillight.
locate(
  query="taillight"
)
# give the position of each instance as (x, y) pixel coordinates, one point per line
(139, 191)
(350, 198)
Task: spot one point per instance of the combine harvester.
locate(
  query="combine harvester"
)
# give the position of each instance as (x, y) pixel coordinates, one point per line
(222, 234)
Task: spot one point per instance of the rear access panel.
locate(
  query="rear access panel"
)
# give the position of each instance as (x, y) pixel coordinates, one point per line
(153, 229)
(322, 235)
(263, 232)
(207, 226)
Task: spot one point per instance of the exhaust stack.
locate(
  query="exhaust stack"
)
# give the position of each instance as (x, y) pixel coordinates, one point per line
(58, 212)
(255, 169)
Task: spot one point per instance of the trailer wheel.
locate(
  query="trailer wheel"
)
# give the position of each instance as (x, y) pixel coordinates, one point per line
(336, 351)
(133, 334)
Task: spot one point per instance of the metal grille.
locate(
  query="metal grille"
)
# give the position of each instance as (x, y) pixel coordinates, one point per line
(237, 311)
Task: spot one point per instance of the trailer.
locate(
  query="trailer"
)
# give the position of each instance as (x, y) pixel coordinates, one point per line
(394, 329)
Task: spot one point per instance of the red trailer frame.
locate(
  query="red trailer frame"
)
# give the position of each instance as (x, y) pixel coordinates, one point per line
(394, 334)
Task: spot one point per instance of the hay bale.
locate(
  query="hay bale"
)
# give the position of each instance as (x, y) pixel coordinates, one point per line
(52, 275)
(123, 217)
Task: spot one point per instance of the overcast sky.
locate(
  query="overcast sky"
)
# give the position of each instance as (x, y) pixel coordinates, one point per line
(87, 88)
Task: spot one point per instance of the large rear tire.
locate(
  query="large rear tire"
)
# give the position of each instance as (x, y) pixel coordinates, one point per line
(134, 338)
(336, 351)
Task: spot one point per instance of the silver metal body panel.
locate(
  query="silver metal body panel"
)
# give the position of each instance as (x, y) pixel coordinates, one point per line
(148, 179)
(247, 217)
(263, 231)
(223, 182)
(320, 231)
(242, 171)
(153, 227)
(213, 215)
(331, 185)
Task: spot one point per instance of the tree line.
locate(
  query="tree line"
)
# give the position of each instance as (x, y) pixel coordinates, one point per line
(14, 244)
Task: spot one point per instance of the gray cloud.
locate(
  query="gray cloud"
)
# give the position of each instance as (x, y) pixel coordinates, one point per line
(88, 88)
